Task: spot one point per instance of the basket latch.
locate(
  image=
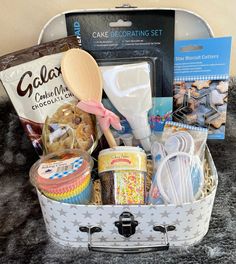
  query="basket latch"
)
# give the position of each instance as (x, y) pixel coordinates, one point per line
(126, 224)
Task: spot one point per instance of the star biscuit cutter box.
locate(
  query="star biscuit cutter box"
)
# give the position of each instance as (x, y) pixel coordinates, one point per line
(201, 83)
(129, 228)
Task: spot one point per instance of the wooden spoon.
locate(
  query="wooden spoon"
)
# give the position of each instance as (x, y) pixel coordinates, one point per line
(83, 78)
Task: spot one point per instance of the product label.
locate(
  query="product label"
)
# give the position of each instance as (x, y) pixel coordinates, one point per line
(115, 160)
(59, 169)
(202, 59)
(120, 30)
(37, 86)
(201, 83)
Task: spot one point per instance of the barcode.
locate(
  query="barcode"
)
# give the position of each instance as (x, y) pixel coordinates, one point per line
(65, 168)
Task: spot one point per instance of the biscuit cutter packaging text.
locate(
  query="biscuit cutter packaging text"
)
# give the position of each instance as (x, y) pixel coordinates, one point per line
(32, 79)
(119, 39)
(201, 83)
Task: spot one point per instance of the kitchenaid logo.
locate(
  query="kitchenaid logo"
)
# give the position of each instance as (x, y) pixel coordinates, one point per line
(27, 84)
(77, 28)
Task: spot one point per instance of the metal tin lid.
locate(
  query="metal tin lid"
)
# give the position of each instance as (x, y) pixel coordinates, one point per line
(122, 148)
(122, 158)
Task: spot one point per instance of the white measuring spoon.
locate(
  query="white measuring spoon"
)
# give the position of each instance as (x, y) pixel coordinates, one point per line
(158, 154)
(186, 144)
(188, 187)
(174, 144)
(189, 142)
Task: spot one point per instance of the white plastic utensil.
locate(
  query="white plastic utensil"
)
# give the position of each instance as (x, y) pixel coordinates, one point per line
(180, 141)
(173, 144)
(116, 137)
(189, 142)
(170, 189)
(158, 154)
(127, 139)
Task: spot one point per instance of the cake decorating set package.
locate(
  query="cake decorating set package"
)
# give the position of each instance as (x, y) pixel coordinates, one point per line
(119, 106)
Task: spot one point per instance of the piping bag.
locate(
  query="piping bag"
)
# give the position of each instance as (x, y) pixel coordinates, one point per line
(128, 87)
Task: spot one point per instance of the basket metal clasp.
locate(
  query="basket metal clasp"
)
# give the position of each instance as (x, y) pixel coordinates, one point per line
(126, 224)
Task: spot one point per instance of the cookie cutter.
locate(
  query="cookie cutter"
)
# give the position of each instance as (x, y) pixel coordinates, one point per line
(212, 114)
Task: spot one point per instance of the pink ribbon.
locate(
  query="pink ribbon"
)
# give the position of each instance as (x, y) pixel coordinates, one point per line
(105, 116)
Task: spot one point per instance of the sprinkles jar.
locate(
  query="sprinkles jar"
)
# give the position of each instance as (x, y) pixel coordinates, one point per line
(64, 176)
(122, 172)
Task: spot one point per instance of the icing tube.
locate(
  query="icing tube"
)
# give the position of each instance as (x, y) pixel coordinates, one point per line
(128, 87)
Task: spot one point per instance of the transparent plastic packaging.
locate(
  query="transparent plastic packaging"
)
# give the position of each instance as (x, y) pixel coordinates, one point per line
(122, 171)
(197, 141)
(69, 128)
(178, 164)
(64, 176)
